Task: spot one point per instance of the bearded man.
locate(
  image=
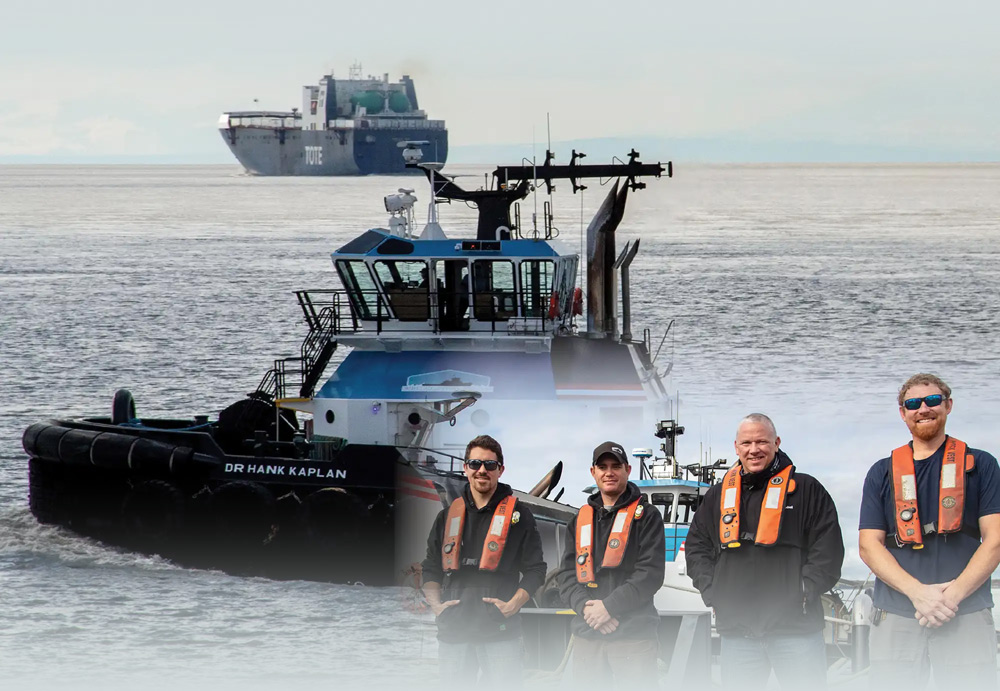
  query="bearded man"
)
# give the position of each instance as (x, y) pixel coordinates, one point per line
(930, 531)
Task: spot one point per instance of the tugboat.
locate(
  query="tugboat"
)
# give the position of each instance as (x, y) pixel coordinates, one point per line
(339, 478)
(353, 126)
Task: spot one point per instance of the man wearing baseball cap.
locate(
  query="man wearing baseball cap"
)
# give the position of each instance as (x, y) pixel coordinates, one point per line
(612, 567)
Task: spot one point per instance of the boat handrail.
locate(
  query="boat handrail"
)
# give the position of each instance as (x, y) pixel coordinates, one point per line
(338, 311)
(429, 463)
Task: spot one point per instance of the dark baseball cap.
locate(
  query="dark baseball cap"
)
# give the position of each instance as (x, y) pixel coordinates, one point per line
(610, 448)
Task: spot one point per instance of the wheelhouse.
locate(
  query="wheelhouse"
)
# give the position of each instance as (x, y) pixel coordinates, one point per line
(457, 285)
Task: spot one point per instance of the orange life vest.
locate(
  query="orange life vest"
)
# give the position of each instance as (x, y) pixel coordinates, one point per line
(951, 495)
(496, 536)
(772, 507)
(614, 552)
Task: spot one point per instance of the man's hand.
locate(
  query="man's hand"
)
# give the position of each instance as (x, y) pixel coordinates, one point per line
(438, 607)
(511, 606)
(507, 607)
(609, 627)
(933, 607)
(596, 614)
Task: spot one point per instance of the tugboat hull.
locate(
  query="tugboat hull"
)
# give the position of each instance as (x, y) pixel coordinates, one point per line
(360, 516)
(178, 494)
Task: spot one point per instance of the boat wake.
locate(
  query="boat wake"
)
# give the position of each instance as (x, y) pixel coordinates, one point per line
(26, 543)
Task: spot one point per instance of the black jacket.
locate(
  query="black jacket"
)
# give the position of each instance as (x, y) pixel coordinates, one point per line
(757, 590)
(627, 591)
(521, 566)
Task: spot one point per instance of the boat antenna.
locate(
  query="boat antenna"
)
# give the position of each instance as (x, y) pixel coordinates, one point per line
(549, 156)
(534, 191)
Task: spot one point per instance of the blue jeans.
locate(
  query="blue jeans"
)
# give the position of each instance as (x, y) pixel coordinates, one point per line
(798, 661)
(501, 664)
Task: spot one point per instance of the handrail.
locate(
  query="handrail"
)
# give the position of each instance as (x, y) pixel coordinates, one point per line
(341, 312)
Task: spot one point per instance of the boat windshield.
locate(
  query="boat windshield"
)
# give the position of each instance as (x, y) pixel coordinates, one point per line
(360, 287)
(407, 288)
(681, 512)
(493, 290)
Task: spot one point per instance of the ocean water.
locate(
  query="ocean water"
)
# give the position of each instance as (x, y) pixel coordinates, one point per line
(805, 292)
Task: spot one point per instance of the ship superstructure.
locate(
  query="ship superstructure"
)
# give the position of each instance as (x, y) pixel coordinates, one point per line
(353, 126)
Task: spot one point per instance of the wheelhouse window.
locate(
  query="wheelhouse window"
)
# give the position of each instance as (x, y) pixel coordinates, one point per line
(494, 295)
(406, 286)
(566, 283)
(664, 501)
(536, 287)
(360, 287)
(687, 504)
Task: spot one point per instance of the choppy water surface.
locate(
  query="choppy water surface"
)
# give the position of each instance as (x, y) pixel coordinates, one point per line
(806, 292)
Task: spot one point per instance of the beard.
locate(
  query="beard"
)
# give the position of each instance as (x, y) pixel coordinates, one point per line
(928, 430)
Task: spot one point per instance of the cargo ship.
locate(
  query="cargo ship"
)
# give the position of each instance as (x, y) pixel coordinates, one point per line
(354, 126)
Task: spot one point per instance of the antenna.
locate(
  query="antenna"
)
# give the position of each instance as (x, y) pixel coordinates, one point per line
(548, 130)
(534, 195)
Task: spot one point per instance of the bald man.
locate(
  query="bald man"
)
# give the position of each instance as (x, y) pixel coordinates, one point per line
(764, 546)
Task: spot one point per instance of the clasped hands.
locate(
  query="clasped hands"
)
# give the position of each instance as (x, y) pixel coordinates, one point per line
(597, 617)
(936, 604)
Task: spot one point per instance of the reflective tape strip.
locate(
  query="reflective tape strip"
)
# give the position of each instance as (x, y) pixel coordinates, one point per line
(773, 500)
(909, 484)
(454, 526)
(585, 535)
(730, 498)
(948, 476)
(497, 527)
(619, 522)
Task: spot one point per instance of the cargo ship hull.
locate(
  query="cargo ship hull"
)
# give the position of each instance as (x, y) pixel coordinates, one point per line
(269, 151)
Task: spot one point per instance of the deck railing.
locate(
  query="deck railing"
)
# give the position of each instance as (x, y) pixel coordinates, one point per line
(408, 310)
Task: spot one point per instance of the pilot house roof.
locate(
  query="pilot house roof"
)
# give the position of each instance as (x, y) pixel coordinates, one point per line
(378, 242)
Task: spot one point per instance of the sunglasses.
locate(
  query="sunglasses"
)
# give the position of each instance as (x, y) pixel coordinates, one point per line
(932, 401)
(490, 465)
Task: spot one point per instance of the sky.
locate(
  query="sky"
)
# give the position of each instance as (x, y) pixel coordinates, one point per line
(875, 80)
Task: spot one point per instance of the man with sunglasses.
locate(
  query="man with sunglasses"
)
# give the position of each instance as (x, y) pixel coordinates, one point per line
(484, 559)
(763, 547)
(930, 531)
(612, 567)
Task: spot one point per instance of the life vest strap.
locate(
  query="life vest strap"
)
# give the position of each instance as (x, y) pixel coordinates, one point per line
(496, 537)
(729, 509)
(585, 544)
(451, 544)
(618, 539)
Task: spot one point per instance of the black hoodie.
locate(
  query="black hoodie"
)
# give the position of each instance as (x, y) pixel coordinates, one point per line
(758, 590)
(521, 566)
(627, 590)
